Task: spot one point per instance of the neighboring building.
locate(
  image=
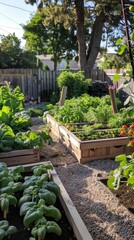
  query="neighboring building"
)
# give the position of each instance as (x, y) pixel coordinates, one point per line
(46, 60)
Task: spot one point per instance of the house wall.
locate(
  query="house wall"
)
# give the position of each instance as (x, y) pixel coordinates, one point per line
(62, 65)
(49, 63)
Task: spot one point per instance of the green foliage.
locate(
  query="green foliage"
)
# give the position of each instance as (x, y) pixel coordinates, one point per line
(11, 103)
(119, 119)
(21, 140)
(101, 17)
(54, 97)
(27, 140)
(39, 170)
(36, 212)
(100, 114)
(12, 98)
(90, 132)
(124, 173)
(6, 230)
(128, 75)
(75, 82)
(13, 121)
(7, 138)
(34, 112)
(74, 109)
(52, 38)
(21, 120)
(112, 62)
(84, 108)
(11, 54)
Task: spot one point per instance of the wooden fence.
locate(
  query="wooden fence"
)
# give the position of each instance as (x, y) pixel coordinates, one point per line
(34, 83)
(39, 84)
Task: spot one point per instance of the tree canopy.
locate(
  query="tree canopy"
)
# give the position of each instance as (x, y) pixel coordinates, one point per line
(101, 18)
(52, 38)
(11, 54)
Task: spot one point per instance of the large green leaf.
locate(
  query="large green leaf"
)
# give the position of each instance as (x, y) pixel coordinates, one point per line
(7, 138)
(119, 41)
(14, 104)
(122, 49)
(116, 77)
(5, 115)
(130, 181)
(121, 158)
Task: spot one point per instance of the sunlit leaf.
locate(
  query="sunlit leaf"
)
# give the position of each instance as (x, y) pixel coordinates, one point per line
(130, 181)
(119, 41)
(121, 158)
(131, 8)
(122, 49)
(116, 77)
(110, 182)
(130, 74)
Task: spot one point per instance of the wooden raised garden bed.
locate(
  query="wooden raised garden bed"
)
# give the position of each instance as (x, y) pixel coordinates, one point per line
(17, 157)
(86, 151)
(74, 219)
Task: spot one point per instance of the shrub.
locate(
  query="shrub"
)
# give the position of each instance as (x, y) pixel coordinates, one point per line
(75, 82)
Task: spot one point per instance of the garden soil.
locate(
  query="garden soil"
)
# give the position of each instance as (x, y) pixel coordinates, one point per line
(105, 217)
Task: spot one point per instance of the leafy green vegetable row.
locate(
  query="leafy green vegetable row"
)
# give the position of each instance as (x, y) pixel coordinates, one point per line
(36, 202)
(90, 109)
(21, 140)
(15, 133)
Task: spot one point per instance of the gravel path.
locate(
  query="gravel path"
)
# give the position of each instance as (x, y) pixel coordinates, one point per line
(103, 216)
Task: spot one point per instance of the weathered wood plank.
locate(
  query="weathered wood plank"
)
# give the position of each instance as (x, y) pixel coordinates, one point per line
(20, 157)
(72, 214)
(104, 142)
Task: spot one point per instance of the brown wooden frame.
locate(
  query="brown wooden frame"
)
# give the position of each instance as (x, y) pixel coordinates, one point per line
(86, 151)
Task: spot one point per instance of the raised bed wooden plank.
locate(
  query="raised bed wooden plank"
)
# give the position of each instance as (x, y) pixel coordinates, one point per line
(72, 214)
(104, 142)
(61, 131)
(86, 151)
(20, 157)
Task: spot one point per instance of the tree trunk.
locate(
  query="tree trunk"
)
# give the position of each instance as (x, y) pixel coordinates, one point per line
(94, 44)
(79, 7)
(55, 62)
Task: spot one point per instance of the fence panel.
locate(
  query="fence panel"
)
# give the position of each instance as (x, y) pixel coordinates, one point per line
(39, 84)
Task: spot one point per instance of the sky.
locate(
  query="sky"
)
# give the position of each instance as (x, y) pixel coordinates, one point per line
(12, 17)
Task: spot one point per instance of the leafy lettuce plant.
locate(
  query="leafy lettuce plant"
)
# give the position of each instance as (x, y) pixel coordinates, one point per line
(21, 120)
(12, 98)
(7, 138)
(5, 115)
(27, 140)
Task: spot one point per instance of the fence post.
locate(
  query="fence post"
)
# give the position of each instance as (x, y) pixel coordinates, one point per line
(113, 99)
(39, 85)
(23, 84)
(63, 96)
